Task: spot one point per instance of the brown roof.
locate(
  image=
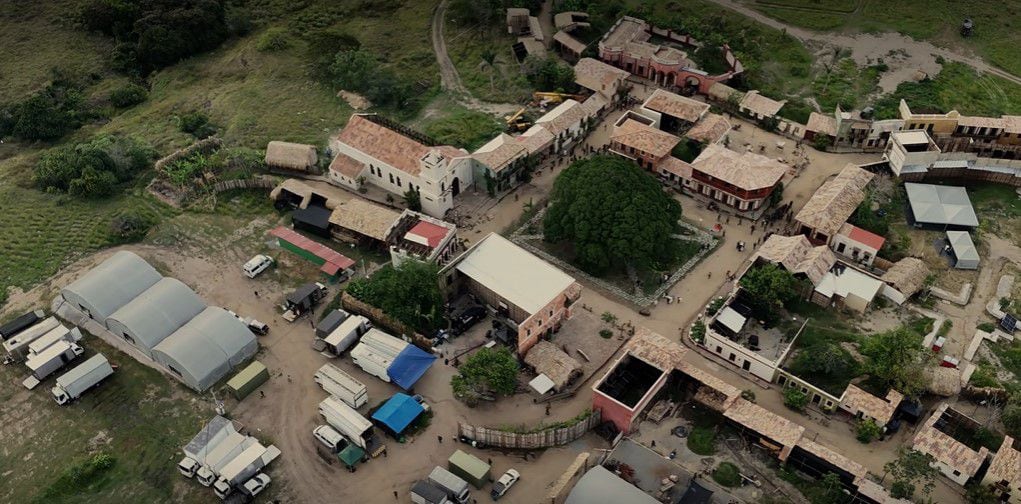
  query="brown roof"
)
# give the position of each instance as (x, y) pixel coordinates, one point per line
(981, 122)
(946, 449)
(759, 104)
(710, 129)
(389, 146)
(877, 493)
(714, 392)
(1011, 124)
(881, 409)
(834, 202)
(562, 117)
(907, 275)
(721, 92)
(765, 422)
(745, 170)
(1006, 465)
(569, 42)
(291, 155)
(797, 255)
(597, 76)
(364, 217)
(822, 123)
(570, 20)
(306, 191)
(551, 361)
(347, 166)
(499, 152)
(675, 166)
(838, 460)
(655, 349)
(676, 105)
(644, 138)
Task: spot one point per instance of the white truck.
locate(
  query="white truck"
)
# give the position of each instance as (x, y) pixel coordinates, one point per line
(246, 465)
(344, 336)
(17, 347)
(72, 384)
(341, 385)
(376, 351)
(50, 360)
(347, 421)
(203, 444)
(221, 455)
(51, 337)
(423, 492)
(455, 487)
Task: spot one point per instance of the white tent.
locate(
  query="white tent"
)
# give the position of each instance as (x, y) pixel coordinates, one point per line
(541, 384)
(731, 319)
(110, 285)
(964, 249)
(227, 332)
(155, 314)
(941, 205)
(193, 358)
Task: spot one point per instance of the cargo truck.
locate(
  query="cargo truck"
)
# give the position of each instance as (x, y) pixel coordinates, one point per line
(223, 454)
(341, 385)
(51, 337)
(423, 492)
(246, 465)
(330, 322)
(72, 384)
(344, 336)
(203, 444)
(8, 330)
(455, 487)
(351, 424)
(17, 347)
(50, 360)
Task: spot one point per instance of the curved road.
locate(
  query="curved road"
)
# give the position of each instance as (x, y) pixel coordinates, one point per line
(803, 34)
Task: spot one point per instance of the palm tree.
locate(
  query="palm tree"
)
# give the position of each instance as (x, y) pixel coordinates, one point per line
(489, 60)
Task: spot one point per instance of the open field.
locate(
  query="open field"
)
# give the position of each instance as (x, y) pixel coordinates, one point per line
(956, 87)
(501, 82)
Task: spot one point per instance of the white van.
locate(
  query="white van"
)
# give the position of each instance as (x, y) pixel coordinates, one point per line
(257, 265)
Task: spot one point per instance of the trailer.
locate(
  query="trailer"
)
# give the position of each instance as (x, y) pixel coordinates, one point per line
(226, 451)
(344, 336)
(341, 385)
(351, 424)
(330, 322)
(8, 330)
(455, 487)
(246, 465)
(303, 299)
(49, 361)
(424, 492)
(376, 352)
(56, 335)
(199, 448)
(469, 468)
(72, 384)
(17, 347)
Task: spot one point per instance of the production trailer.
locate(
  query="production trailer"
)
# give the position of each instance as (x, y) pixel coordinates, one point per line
(424, 492)
(344, 336)
(376, 352)
(330, 322)
(455, 487)
(351, 424)
(49, 361)
(52, 337)
(202, 445)
(17, 347)
(341, 385)
(246, 465)
(8, 330)
(221, 455)
(72, 384)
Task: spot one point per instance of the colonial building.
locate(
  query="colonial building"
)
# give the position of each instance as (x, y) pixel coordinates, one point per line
(833, 203)
(742, 181)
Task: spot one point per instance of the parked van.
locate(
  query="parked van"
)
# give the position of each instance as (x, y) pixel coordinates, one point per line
(257, 265)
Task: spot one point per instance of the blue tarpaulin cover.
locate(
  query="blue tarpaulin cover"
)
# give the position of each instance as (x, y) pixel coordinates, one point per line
(398, 412)
(409, 366)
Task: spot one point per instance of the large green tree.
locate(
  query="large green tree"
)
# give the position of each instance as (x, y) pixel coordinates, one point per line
(613, 214)
(770, 288)
(410, 293)
(485, 373)
(909, 469)
(896, 358)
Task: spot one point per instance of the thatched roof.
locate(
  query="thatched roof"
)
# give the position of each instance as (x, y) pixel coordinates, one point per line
(907, 275)
(710, 129)
(292, 156)
(834, 202)
(364, 218)
(546, 358)
(797, 255)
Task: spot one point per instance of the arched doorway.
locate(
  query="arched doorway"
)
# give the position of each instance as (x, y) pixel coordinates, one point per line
(455, 186)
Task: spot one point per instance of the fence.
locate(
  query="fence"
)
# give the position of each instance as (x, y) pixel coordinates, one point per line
(382, 320)
(553, 436)
(205, 146)
(252, 183)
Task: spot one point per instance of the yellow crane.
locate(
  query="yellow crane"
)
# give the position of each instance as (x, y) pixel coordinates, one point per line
(516, 122)
(553, 97)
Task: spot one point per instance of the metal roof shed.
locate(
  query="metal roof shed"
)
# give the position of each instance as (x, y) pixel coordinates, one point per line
(964, 250)
(155, 314)
(248, 379)
(940, 206)
(110, 285)
(600, 486)
(193, 358)
(397, 413)
(470, 469)
(226, 332)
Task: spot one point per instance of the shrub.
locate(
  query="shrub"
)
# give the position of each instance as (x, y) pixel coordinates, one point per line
(485, 373)
(47, 115)
(715, 306)
(273, 39)
(702, 441)
(128, 96)
(409, 293)
(987, 327)
(89, 475)
(196, 124)
(698, 331)
(129, 227)
(795, 399)
(605, 333)
(748, 395)
(867, 431)
(727, 474)
(91, 169)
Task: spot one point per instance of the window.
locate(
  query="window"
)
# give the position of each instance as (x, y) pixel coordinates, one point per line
(719, 349)
(173, 370)
(781, 380)
(443, 186)
(391, 178)
(732, 357)
(747, 365)
(956, 472)
(129, 338)
(398, 182)
(551, 313)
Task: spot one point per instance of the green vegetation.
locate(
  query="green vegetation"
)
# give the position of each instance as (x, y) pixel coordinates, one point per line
(686, 150)
(128, 95)
(274, 39)
(999, 209)
(702, 440)
(798, 110)
(957, 87)
(826, 490)
(715, 305)
(465, 128)
(86, 477)
(984, 376)
(770, 288)
(828, 366)
(845, 84)
(409, 293)
(867, 431)
(484, 62)
(487, 372)
(613, 214)
(605, 333)
(698, 331)
(196, 123)
(1011, 416)
(92, 169)
(50, 113)
(910, 469)
(727, 474)
(795, 399)
(895, 359)
(549, 74)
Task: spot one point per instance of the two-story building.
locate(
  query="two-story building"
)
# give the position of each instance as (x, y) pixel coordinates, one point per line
(371, 149)
(743, 181)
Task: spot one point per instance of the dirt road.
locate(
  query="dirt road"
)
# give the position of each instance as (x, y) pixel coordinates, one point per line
(921, 54)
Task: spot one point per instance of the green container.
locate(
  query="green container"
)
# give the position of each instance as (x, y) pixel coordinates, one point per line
(248, 379)
(470, 468)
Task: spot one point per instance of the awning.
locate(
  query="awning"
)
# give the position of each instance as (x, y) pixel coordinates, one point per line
(541, 384)
(351, 455)
(409, 366)
(398, 412)
(731, 319)
(696, 494)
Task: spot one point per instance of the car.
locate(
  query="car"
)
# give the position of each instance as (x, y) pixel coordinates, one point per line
(257, 265)
(329, 437)
(503, 484)
(257, 484)
(469, 317)
(257, 328)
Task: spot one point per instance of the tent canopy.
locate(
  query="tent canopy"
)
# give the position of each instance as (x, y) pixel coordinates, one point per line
(731, 319)
(941, 205)
(398, 412)
(351, 454)
(964, 249)
(409, 366)
(541, 384)
(111, 284)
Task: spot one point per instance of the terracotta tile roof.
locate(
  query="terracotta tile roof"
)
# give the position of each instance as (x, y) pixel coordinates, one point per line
(946, 449)
(834, 202)
(745, 170)
(623, 31)
(500, 152)
(289, 155)
(563, 117)
(765, 422)
(593, 103)
(655, 349)
(551, 361)
(713, 391)
(710, 129)
(1005, 465)
(676, 105)
(644, 138)
(675, 166)
(347, 166)
(877, 493)
(364, 217)
(907, 275)
(756, 103)
(881, 409)
(822, 123)
(863, 236)
(797, 255)
(597, 76)
(389, 146)
(838, 460)
(569, 42)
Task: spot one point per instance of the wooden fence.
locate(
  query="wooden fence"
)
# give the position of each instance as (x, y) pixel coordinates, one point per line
(252, 183)
(553, 436)
(380, 319)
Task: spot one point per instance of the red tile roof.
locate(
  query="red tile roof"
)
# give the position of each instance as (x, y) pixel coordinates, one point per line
(863, 236)
(335, 261)
(432, 233)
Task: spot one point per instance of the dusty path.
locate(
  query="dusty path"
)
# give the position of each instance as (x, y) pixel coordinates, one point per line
(862, 45)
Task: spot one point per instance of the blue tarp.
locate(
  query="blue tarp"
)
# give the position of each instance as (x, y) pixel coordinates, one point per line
(398, 412)
(409, 366)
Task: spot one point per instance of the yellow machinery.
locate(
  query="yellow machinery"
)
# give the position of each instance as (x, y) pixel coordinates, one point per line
(517, 121)
(539, 97)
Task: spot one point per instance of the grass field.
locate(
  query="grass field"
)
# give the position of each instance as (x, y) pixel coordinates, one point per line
(137, 416)
(956, 87)
(502, 82)
(845, 84)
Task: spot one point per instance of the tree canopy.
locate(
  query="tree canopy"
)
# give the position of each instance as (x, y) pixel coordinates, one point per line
(770, 288)
(909, 468)
(410, 293)
(613, 214)
(547, 74)
(92, 169)
(486, 372)
(895, 358)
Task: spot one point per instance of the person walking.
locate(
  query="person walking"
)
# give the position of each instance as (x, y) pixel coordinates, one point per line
(440, 439)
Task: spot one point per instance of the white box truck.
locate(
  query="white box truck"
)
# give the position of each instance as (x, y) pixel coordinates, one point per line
(246, 465)
(72, 384)
(50, 360)
(345, 335)
(347, 421)
(341, 385)
(53, 336)
(198, 450)
(376, 351)
(423, 492)
(455, 487)
(17, 347)
(223, 454)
